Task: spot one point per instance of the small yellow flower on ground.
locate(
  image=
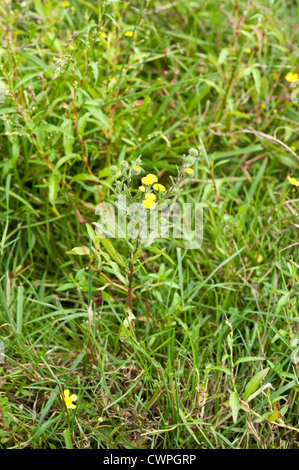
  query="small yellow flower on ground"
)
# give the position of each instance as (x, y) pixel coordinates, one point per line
(103, 35)
(159, 187)
(189, 171)
(149, 179)
(248, 51)
(142, 188)
(65, 4)
(149, 204)
(150, 196)
(291, 77)
(293, 181)
(129, 34)
(68, 400)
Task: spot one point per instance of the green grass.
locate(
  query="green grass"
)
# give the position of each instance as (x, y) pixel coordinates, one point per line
(221, 314)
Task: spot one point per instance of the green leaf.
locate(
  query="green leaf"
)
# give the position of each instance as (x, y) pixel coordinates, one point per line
(282, 301)
(79, 250)
(117, 272)
(95, 71)
(82, 123)
(234, 403)
(65, 159)
(91, 232)
(222, 368)
(67, 439)
(154, 249)
(112, 251)
(275, 416)
(20, 309)
(253, 384)
(100, 116)
(249, 359)
(53, 187)
(125, 327)
(254, 71)
(84, 177)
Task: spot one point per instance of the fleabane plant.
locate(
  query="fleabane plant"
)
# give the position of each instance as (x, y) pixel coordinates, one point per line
(142, 204)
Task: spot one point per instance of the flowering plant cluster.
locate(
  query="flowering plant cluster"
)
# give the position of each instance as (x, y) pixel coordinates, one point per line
(142, 205)
(139, 199)
(143, 216)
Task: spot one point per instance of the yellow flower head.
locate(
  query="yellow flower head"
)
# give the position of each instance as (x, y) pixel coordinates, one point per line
(136, 170)
(103, 35)
(150, 196)
(65, 4)
(293, 181)
(149, 204)
(291, 77)
(248, 51)
(142, 188)
(149, 179)
(159, 187)
(129, 34)
(189, 171)
(68, 400)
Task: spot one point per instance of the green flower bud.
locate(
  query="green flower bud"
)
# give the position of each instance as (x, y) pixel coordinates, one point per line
(138, 161)
(193, 152)
(118, 186)
(113, 170)
(124, 165)
(190, 161)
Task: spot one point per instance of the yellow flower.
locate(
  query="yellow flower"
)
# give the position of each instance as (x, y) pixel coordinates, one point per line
(68, 400)
(189, 171)
(150, 196)
(260, 258)
(129, 34)
(248, 51)
(103, 35)
(149, 179)
(291, 77)
(149, 204)
(159, 187)
(293, 181)
(142, 188)
(65, 4)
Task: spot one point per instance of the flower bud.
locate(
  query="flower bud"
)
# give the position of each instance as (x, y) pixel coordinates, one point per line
(124, 165)
(193, 152)
(118, 186)
(136, 170)
(113, 170)
(190, 161)
(189, 172)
